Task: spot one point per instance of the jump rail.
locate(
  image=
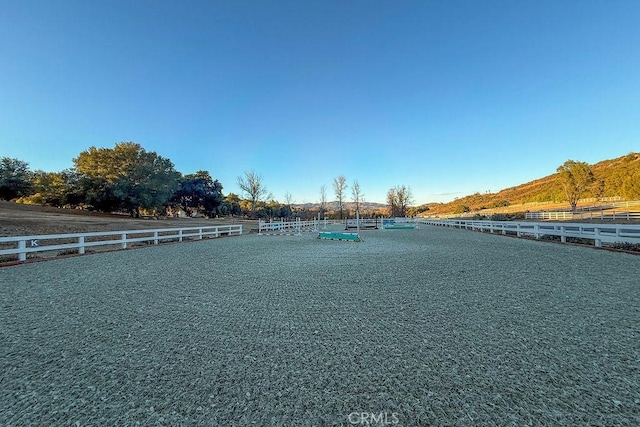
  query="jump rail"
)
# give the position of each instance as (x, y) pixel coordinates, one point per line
(23, 245)
(599, 233)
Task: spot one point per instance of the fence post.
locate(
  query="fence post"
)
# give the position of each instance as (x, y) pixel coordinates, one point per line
(124, 240)
(81, 245)
(22, 245)
(597, 240)
(155, 237)
(180, 235)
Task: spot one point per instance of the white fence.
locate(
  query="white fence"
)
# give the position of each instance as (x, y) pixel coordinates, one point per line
(599, 233)
(295, 227)
(613, 216)
(23, 245)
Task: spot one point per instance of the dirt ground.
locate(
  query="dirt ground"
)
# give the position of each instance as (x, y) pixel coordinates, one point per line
(28, 220)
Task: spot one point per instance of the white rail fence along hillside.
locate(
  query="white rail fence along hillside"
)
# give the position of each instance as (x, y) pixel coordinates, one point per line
(79, 242)
(603, 215)
(599, 233)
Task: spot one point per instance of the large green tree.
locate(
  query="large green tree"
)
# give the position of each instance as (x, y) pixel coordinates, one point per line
(15, 178)
(51, 187)
(126, 178)
(200, 193)
(575, 179)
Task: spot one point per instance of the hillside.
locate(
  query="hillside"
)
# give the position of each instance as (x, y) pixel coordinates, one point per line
(615, 177)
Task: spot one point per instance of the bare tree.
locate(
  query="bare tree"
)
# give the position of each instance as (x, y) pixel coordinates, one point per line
(255, 191)
(323, 199)
(575, 178)
(405, 199)
(288, 201)
(392, 202)
(356, 194)
(339, 187)
(399, 199)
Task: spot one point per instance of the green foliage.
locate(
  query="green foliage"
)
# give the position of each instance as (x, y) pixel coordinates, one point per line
(15, 178)
(200, 193)
(462, 209)
(231, 205)
(499, 217)
(575, 179)
(126, 178)
(57, 188)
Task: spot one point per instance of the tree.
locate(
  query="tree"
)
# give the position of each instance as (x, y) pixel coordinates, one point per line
(255, 191)
(392, 202)
(288, 201)
(399, 200)
(51, 187)
(356, 194)
(126, 177)
(631, 186)
(462, 209)
(575, 178)
(14, 178)
(323, 199)
(200, 193)
(231, 205)
(339, 187)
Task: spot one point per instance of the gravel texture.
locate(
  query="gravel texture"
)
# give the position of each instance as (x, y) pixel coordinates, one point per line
(432, 326)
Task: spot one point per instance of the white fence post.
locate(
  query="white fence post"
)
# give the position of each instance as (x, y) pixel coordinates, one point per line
(124, 240)
(597, 240)
(81, 245)
(22, 256)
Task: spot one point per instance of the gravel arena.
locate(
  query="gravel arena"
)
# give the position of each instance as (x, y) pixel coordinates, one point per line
(423, 327)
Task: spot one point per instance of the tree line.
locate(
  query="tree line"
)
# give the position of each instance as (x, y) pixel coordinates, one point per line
(128, 178)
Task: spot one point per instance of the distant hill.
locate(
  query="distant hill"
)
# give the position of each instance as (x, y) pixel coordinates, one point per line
(619, 177)
(615, 177)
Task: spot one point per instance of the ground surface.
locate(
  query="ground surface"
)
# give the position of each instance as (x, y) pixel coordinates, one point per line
(26, 220)
(433, 326)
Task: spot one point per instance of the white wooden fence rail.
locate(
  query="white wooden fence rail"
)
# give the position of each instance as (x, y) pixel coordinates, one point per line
(583, 215)
(23, 245)
(599, 233)
(296, 226)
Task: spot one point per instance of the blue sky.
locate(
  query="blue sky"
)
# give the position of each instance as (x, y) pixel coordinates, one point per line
(446, 97)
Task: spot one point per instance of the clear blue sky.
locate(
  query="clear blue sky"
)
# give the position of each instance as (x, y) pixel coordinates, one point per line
(447, 97)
